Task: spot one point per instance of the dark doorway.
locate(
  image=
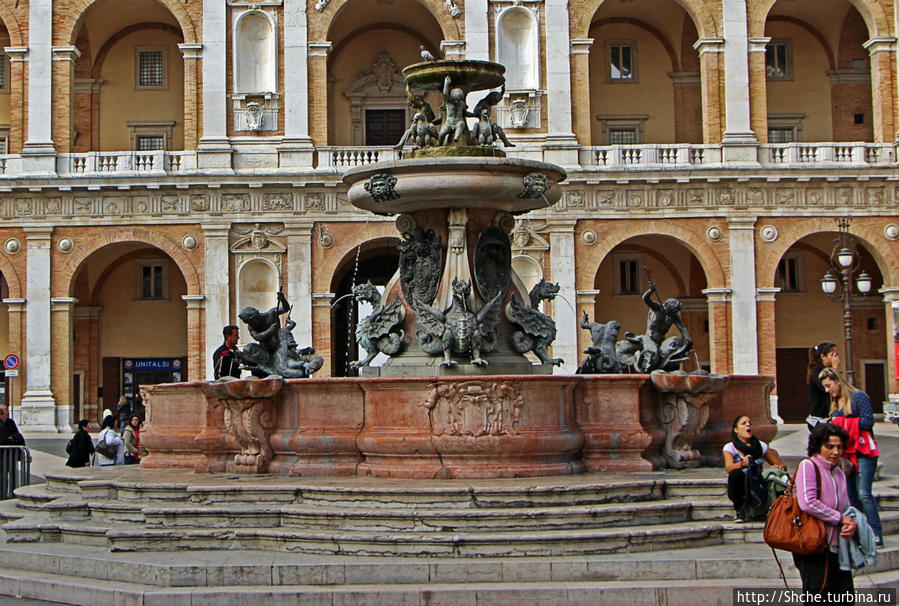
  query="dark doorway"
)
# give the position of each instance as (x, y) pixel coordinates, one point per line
(384, 126)
(792, 390)
(378, 266)
(875, 384)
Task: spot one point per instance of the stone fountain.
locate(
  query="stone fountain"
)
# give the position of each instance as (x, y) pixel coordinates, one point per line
(458, 398)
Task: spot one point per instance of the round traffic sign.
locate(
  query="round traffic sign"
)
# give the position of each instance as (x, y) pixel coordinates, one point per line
(11, 362)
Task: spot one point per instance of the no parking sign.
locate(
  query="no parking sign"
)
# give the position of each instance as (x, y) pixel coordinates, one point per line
(11, 365)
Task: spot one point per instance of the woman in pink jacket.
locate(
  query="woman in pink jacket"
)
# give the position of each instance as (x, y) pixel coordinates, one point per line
(821, 491)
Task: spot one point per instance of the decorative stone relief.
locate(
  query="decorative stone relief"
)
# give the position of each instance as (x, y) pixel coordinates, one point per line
(257, 238)
(714, 233)
(189, 242)
(325, 240)
(170, 204)
(199, 203)
(755, 197)
(232, 203)
(492, 263)
(768, 233)
(891, 231)
(141, 204)
(321, 5)
(65, 245)
(475, 408)
(874, 196)
(665, 198)
(24, 207)
(589, 237)
(814, 197)
(113, 206)
(53, 206)
(315, 202)
(420, 264)
(381, 187)
(454, 10)
(535, 185)
(12, 246)
(575, 198)
(277, 201)
(83, 206)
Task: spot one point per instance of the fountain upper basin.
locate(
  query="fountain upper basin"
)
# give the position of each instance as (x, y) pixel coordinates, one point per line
(456, 182)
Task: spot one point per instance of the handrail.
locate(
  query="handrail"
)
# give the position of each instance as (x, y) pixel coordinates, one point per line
(15, 469)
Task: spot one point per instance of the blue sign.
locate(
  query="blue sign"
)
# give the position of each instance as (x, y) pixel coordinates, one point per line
(11, 362)
(152, 364)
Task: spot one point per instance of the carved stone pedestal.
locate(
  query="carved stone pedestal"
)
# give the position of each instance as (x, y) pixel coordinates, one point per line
(250, 416)
(683, 411)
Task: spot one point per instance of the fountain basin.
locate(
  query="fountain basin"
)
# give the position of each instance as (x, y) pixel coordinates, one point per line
(456, 182)
(467, 75)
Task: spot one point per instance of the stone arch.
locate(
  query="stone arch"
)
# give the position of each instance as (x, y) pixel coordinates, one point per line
(705, 21)
(333, 271)
(122, 33)
(12, 278)
(320, 23)
(876, 18)
(866, 233)
(666, 44)
(69, 264)
(696, 243)
(831, 62)
(16, 38)
(68, 23)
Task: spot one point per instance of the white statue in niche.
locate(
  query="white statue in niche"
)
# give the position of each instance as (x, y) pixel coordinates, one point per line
(254, 115)
(255, 54)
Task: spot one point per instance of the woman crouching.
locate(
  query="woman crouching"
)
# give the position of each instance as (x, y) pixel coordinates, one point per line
(821, 492)
(745, 486)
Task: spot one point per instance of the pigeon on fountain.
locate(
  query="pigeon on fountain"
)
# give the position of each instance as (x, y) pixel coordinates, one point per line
(426, 55)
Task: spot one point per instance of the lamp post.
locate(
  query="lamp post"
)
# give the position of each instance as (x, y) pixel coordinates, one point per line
(845, 262)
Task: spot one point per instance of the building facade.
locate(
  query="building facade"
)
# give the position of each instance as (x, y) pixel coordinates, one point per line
(168, 162)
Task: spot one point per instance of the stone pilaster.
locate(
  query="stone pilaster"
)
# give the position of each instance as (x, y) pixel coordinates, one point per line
(192, 53)
(296, 147)
(18, 64)
(736, 73)
(710, 51)
(883, 86)
(62, 327)
(580, 89)
(477, 37)
(891, 300)
(198, 348)
(561, 145)
(64, 58)
(214, 150)
(216, 289)
(767, 340)
(39, 153)
(15, 308)
(719, 335)
(758, 88)
(561, 251)
(299, 279)
(744, 317)
(38, 410)
(321, 333)
(318, 91)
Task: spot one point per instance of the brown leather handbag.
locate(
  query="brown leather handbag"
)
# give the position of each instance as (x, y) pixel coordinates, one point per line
(791, 529)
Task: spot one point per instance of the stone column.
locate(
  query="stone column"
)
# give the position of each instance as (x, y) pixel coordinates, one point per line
(215, 288)
(561, 145)
(214, 150)
(710, 52)
(767, 340)
(744, 324)
(477, 37)
(758, 88)
(296, 148)
(561, 254)
(891, 300)
(737, 128)
(191, 53)
(198, 348)
(16, 309)
(18, 62)
(318, 92)
(39, 153)
(63, 357)
(64, 58)
(883, 86)
(321, 325)
(86, 320)
(38, 412)
(299, 279)
(585, 302)
(719, 335)
(580, 89)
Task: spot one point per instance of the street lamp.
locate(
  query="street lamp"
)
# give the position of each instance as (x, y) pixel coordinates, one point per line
(844, 262)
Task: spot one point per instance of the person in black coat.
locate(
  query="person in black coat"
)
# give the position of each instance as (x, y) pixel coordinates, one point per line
(80, 447)
(9, 431)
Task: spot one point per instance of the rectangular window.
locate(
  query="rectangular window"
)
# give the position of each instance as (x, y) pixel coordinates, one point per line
(4, 145)
(778, 60)
(152, 280)
(622, 61)
(150, 68)
(623, 136)
(781, 135)
(628, 276)
(4, 72)
(789, 274)
(150, 142)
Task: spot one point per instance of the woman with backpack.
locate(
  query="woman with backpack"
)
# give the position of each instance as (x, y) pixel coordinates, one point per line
(743, 459)
(106, 441)
(80, 447)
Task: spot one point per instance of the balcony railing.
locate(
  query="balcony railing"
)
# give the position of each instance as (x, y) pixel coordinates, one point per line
(338, 159)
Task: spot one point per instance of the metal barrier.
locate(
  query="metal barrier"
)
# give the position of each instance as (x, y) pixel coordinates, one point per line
(15, 469)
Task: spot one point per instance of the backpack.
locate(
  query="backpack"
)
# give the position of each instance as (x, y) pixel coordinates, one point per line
(69, 445)
(104, 448)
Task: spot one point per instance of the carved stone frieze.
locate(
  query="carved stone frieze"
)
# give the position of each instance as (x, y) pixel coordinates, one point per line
(475, 408)
(277, 201)
(315, 202)
(233, 203)
(199, 203)
(492, 263)
(421, 263)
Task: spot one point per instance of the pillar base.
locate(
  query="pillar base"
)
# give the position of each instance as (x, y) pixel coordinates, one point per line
(39, 159)
(740, 148)
(214, 156)
(296, 153)
(37, 412)
(563, 150)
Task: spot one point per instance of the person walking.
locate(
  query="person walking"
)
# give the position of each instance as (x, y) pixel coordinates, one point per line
(131, 437)
(224, 359)
(80, 448)
(110, 437)
(851, 408)
(821, 356)
(821, 492)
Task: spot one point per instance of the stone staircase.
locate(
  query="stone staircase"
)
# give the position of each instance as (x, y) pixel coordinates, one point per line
(170, 537)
